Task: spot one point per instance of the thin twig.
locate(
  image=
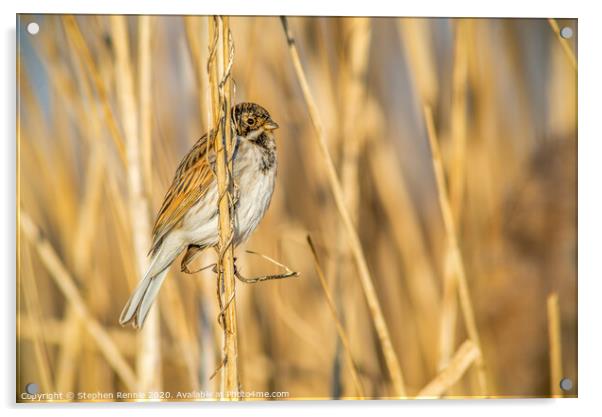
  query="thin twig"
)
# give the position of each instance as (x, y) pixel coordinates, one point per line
(459, 364)
(454, 253)
(340, 330)
(288, 273)
(354, 242)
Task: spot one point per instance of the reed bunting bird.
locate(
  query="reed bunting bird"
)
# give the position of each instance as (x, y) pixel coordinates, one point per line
(188, 218)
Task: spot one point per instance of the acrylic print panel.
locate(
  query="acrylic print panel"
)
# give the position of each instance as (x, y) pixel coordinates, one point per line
(384, 208)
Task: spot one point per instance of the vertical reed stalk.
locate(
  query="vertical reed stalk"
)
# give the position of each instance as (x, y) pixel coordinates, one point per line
(83, 248)
(149, 360)
(454, 253)
(194, 40)
(459, 117)
(410, 241)
(144, 98)
(456, 186)
(221, 58)
(555, 343)
(416, 37)
(29, 292)
(72, 339)
(340, 330)
(351, 86)
(366, 280)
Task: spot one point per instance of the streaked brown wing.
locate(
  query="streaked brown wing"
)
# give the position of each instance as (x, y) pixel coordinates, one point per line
(192, 180)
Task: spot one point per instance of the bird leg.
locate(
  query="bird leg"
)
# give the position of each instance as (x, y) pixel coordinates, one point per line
(191, 252)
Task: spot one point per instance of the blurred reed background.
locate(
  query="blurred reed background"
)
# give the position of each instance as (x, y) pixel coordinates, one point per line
(108, 106)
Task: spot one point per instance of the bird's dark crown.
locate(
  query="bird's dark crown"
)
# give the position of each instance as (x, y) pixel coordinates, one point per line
(247, 117)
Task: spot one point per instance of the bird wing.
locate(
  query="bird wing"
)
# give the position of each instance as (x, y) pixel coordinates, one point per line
(193, 178)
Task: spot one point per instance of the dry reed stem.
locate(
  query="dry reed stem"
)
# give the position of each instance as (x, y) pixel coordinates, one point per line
(70, 350)
(145, 98)
(149, 362)
(357, 32)
(230, 383)
(353, 80)
(459, 117)
(76, 37)
(208, 332)
(454, 253)
(564, 43)
(118, 212)
(71, 339)
(176, 321)
(457, 182)
(340, 330)
(29, 292)
(222, 123)
(354, 242)
(459, 364)
(555, 345)
(449, 310)
(415, 36)
(87, 221)
(66, 358)
(304, 330)
(193, 35)
(64, 281)
(410, 242)
(82, 251)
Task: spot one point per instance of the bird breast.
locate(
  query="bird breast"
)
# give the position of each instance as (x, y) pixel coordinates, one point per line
(255, 176)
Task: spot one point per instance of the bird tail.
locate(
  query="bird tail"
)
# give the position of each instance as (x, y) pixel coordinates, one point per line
(139, 304)
(137, 308)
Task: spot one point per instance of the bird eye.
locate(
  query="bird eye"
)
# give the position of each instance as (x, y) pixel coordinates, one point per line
(250, 121)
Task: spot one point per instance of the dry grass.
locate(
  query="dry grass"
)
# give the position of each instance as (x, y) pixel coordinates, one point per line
(340, 330)
(555, 340)
(354, 241)
(148, 362)
(456, 280)
(58, 272)
(440, 233)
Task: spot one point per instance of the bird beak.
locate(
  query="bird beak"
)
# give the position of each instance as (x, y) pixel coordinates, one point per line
(270, 125)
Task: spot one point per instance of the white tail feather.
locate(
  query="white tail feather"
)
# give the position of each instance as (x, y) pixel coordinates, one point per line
(139, 304)
(137, 308)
